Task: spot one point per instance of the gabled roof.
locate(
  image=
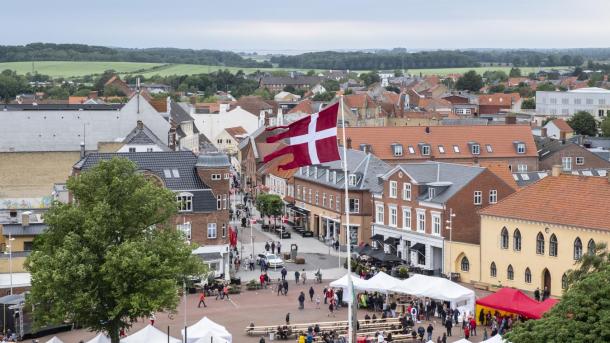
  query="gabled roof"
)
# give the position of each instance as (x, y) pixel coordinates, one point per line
(561, 125)
(502, 139)
(502, 171)
(578, 201)
(305, 106)
(179, 113)
(498, 99)
(548, 146)
(253, 104)
(144, 136)
(527, 178)
(237, 132)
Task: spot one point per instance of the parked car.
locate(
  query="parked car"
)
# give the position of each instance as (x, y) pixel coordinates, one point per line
(272, 259)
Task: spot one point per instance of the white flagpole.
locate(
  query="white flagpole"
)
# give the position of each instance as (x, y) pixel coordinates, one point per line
(350, 319)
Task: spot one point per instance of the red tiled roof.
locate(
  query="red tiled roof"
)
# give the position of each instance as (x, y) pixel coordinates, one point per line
(159, 104)
(498, 99)
(391, 97)
(236, 131)
(502, 139)
(502, 171)
(562, 125)
(572, 200)
(356, 100)
(304, 106)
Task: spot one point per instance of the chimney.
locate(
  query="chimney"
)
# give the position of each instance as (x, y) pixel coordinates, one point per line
(25, 219)
(510, 120)
(543, 132)
(139, 125)
(556, 171)
(82, 149)
(562, 137)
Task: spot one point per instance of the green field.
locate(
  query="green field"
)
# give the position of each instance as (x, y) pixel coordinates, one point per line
(69, 69)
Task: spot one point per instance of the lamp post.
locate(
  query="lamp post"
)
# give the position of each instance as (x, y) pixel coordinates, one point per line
(10, 259)
(450, 228)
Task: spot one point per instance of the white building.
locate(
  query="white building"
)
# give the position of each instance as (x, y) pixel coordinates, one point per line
(212, 124)
(594, 100)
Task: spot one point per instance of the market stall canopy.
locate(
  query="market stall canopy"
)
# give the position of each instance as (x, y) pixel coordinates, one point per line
(437, 288)
(463, 340)
(55, 340)
(495, 339)
(100, 338)
(382, 282)
(206, 328)
(514, 301)
(211, 337)
(150, 334)
(382, 256)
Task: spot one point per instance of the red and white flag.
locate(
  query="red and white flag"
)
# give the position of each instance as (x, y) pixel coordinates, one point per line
(311, 140)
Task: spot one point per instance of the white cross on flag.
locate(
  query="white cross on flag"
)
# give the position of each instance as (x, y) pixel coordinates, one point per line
(311, 140)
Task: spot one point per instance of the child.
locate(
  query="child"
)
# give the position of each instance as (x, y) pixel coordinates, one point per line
(317, 302)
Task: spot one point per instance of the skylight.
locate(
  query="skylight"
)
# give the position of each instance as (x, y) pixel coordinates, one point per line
(167, 173)
(175, 173)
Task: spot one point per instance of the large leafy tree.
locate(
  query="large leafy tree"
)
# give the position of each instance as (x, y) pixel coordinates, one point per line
(110, 256)
(605, 127)
(583, 314)
(470, 81)
(583, 123)
(270, 205)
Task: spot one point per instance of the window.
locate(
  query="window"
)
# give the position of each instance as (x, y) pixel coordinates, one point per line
(475, 149)
(327, 174)
(317, 197)
(421, 221)
(323, 199)
(149, 149)
(167, 173)
(379, 209)
(510, 273)
(219, 141)
(216, 177)
(564, 281)
(406, 191)
(132, 149)
(577, 101)
(589, 101)
(185, 202)
(28, 246)
(521, 148)
(338, 200)
(330, 201)
(334, 176)
(298, 192)
(212, 230)
(441, 149)
(552, 246)
(393, 216)
(540, 244)
(436, 224)
(488, 147)
(393, 189)
(352, 179)
(411, 150)
(577, 249)
(456, 149)
(565, 101)
(224, 230)
(224, 201)
(425, 150)
(219, 202)
(397, 150)
(185, 228)
(431, 193)
(522, 168)
(493, 196)
(504, 238)
(227, 175)
(566, 163)
(517, 240)
(528, 275)
(591, 247)
(464, 264)
(478, 197)
(492, 270)
(310, 195)
(580, 161)
(406, 218)
(354, 205)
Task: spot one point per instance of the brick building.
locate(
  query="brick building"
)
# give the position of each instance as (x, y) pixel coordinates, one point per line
(415, 202)
(569, 155)
(513, 144)
(490, 104)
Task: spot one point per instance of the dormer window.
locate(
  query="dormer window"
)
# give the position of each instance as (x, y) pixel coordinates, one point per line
(352, 179)
(185, 202)
(521, 148)
(475, 149)
(397, 149)
(425, 150)
(366, 148)
(431, 193)
(441, 149)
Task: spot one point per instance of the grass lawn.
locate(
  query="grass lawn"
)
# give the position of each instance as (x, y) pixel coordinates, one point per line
(69, 69)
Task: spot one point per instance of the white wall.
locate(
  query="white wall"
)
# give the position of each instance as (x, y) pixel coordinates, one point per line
(140, 147)
(212, 124)
(565, 104)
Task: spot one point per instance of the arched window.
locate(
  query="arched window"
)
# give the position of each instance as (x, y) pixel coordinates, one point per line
(492, 269)
(577, 249)
(465, 264)
(528, 275)
(504, 238)
(540, 244)
(517, 240)
(564, 281)
(553, 245)
(591, 247)
(510, 273)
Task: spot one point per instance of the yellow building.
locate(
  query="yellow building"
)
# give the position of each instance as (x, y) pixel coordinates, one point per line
(532, 238)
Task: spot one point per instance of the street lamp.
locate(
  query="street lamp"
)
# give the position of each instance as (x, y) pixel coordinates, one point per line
(9, 246)
(450, 228)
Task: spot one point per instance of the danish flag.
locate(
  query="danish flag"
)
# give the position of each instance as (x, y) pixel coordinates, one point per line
(311, 140)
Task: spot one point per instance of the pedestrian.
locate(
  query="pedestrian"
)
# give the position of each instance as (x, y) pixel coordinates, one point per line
(473, 326)
(152, 319)
(545, 294)
(444, 339)
(331, 308)
(448, 325)
(337, 245)
(202, 299)
(297, 276)
(267, 246)
(466, 332)
(317, 302)
(225, 290)
(537, 294)
(485, 334)
(262, 340)
(273, 247)
(279, 247)
(284, 272)
(280, 288)
(219, 293)
(304, 276)
(429, 330)
(301, 300)
(311, 293)
(285, 284)
(262, 280)
(324, 294)
(288, 318)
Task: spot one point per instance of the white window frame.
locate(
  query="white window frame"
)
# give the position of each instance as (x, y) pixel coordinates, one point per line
(338, 201)
(478, 198)
(317, 197)
(398, 150)
(421, 220)
(520, 148)
(406, 191)
(224, 201)
(580, 160)
(406, 218)
(356, 202)
(522, 168)
(489, 148)
(493, 196)
(330, 201)
(393, 218)
(425, 150)
(393, 189)
(441, 149)
(186, 229)
(185, 202)
(475, 149)
(456, 149)
(219, 202)
(379, 213)
(212, 232)
(436, 223)
(566, 163)
(352, 179)
(323, 199)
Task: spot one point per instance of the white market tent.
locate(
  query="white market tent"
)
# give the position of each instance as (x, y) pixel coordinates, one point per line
(55, 340)
(438, 288)
(150, 334)
(463, 340)
(100, 338)
(212, 337)
(358, 284)
(382, 282)
(206, 328)
(494, 339)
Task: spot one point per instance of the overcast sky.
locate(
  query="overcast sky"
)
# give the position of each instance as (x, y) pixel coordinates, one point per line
(268, 25)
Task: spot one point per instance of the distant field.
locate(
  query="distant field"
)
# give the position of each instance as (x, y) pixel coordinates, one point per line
(69, 69)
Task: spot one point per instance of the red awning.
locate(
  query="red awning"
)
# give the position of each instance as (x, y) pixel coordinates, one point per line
(515, 301)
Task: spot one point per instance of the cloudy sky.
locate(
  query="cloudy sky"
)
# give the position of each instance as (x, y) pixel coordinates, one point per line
(270, 25)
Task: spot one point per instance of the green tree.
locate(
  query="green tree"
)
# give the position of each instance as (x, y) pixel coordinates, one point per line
(326, 96)
(583, 313)
(583, 123)
(605, 127)
(370, 78)
(58, 93)
(528, 104)
(111, 256)
(270, 205)
(264, 93)
(548, 119)
(398, 73)
(499, 88)
(113, 90)
(289, 89)
(514, 72)
(12, 84)
(470, 81)
(82, 92)
(101, 81)
(546, 86)
(311, 73)
(331, 85)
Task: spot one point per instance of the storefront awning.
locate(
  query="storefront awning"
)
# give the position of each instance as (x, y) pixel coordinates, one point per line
(419, 247)
(381, 256)
(392, 241)
(378, 238)
(300, 210)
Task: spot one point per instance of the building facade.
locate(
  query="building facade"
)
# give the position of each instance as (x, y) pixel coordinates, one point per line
(594, 100)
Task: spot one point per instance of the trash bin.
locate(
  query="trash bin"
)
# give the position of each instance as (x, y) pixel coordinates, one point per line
(293, 251)
(271, 336)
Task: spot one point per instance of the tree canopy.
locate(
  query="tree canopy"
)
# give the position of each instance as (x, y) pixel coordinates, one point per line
(270, 205)
(370, 78)
(470, 81)
(583, 123)
(111, 256)
(605, 126)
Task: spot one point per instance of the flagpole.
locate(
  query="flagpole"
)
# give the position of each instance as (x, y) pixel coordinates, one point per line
(350, 315)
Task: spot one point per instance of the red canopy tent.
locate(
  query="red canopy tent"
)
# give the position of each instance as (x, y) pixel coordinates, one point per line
(514, 301)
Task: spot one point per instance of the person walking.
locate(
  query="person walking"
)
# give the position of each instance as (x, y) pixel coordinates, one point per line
(297, 276)
(219, 292)
(273, 247)
(267, 246)
(537, 294)
(473, 326)
(280, 288)
(304, 276)
(331, 308)
(225, 290)
(278, 246)
(311, 293)
(301, 300)
(284, 272)
(288, 318)
(318, 302)
(202, 299)
(285, 284)
(466, 332)
(152, 319)
(429, 330)
(448, 326)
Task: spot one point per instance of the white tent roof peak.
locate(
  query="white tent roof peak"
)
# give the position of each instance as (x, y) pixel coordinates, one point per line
(150, 334)
(207, 328)
(100, 338)
(55, 340)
